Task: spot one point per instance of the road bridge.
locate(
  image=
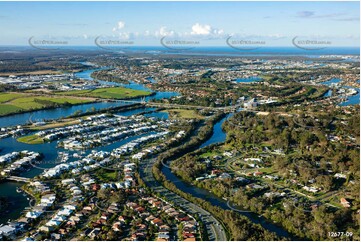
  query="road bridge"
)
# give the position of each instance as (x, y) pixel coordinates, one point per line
(18, 179)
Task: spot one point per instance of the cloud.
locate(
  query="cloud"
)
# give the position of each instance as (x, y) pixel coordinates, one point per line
(258, 37)
(312, 14)
(199, 29)
(164, 32)
(120, 25)
(348, 19)
(305, 14)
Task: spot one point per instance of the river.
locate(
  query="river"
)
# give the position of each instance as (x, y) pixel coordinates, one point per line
(49, 150)
(249, 79)
(8, 189)
(56, 113)
(219, 136)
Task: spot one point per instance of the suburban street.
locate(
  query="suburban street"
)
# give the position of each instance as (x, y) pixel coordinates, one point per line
(214, 229)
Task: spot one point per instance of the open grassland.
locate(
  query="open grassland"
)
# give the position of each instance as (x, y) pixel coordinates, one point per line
(57, 124)
(108, 93)
(19, 102)
(184, 113)
(31, 139)
(40, 72)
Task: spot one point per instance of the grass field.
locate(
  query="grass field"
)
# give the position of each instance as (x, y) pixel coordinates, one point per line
(184, 113)
(40, 72)
(55, 125)
(17, 102)
(108, 93)
(31, 139)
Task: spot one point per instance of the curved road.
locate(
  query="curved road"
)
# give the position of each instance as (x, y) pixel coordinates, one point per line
(214, 229)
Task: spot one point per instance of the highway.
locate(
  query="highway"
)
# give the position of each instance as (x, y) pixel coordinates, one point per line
(214, 229)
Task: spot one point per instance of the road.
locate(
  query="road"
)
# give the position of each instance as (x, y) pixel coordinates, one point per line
(173, 105)
(214, 229)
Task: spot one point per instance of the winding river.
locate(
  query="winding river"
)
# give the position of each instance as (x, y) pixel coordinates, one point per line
(19, 202)
(219, 136)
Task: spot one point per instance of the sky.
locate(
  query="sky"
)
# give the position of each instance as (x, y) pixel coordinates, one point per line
(202, 23)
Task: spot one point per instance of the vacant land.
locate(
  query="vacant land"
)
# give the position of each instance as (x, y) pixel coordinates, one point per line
(31, 139)
(18, 102)
(185, 113)
(55, 124)
(108, 93)
(40, 72)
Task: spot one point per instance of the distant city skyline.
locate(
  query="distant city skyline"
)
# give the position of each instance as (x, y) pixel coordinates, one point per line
(203, 23)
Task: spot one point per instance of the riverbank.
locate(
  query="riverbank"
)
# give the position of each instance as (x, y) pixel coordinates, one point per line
(220, 212)
(108, 93)
(16, 103)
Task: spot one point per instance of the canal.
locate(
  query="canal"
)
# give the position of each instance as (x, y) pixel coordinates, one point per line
(18, 201)
(350, 100)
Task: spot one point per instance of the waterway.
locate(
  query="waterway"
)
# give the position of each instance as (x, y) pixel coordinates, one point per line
(351, 100)
(49, 150)
(219, 136)
(249, 79)
(16, 201)
(50, 154)
(56, 113)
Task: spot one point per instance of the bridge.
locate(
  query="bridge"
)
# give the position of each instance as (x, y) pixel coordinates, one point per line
(18, 179)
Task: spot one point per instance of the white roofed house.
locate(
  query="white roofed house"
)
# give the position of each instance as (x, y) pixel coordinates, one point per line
(7, 230)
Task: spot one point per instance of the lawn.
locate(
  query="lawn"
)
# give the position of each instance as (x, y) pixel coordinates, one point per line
(108, 93)
(55, 125)
(107, 176)
(209, 154)
(17, 102)
(6, 97)
(184, 113)
(31, 139)
(7, 108)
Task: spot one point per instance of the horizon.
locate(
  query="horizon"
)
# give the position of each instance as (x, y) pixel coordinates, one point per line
(210, 23)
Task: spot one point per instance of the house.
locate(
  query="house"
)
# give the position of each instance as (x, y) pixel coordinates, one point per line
(224, 176)
(7, 230)
(122, 219)
(163, 237)
(94, 233)
(86, 232)
(157, 222)
(33, 214)
(53, 223)
(55, 236)
(257, 173)
(117, 225)
(190, 239)
(345, 203)
(95, 187)
(340, 175)
(46, 228)
(105, 216)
